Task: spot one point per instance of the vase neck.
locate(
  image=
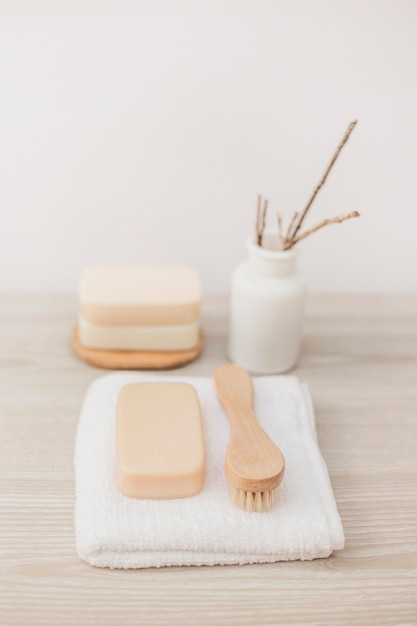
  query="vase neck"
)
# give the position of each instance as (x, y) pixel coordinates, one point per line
(269, 261)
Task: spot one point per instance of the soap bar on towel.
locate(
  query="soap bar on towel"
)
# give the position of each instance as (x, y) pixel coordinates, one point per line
(115, 531)
(159, 441)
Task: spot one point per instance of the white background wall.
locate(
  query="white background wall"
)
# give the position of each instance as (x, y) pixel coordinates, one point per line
(141, 132)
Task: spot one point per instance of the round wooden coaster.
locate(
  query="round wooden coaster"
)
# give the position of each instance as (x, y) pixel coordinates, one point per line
(130, 360)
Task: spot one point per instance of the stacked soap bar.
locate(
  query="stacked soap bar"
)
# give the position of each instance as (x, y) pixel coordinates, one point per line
(139, 308)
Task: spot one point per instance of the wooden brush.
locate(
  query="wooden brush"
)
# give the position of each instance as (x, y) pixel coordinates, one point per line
(254, 465)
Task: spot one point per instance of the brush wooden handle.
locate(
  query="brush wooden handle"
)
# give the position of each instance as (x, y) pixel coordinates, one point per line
(253, 462)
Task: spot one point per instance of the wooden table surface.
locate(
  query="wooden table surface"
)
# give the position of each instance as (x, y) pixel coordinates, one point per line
(359, 359)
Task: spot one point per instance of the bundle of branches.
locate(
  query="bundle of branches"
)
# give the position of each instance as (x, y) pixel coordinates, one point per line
(293, 234)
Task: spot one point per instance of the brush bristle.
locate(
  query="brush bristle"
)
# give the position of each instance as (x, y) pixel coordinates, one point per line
(252, 501)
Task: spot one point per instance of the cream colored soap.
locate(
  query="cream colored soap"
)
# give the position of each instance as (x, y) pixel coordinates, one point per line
(137, 296)
(159, 441)
(166, 338)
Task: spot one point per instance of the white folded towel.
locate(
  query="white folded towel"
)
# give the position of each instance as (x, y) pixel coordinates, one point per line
(113, 530)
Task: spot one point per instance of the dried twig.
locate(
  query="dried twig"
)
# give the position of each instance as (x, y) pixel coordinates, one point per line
(260, 220)
(331, 220)
(294, 217)
(279, 219)
(291, 236)
(264, 217)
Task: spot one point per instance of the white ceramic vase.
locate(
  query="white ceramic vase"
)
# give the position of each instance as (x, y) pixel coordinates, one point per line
(266, 309)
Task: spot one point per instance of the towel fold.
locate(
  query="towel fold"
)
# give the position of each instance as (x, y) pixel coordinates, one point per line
(115, 531)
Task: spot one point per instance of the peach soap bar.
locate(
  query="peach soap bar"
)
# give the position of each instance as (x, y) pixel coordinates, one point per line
(139, 308)
(140, 296)
(159, 441)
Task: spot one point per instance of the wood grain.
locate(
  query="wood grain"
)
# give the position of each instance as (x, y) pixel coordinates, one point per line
(359, 359)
